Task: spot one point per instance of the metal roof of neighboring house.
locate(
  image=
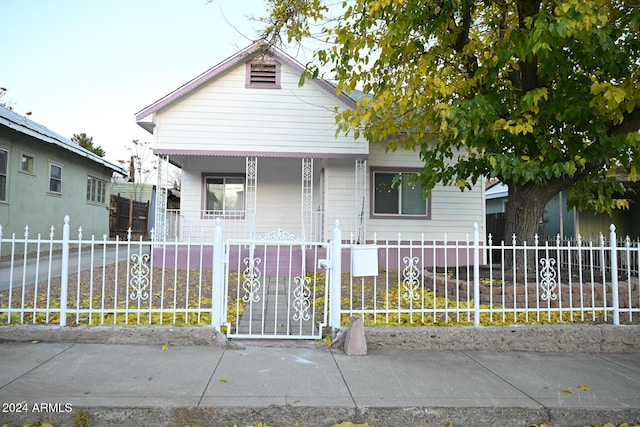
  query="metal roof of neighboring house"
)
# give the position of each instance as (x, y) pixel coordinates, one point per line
(25, 126)
(496, 191)
(244, 55)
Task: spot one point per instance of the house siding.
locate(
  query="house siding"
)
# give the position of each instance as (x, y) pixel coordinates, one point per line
(452, 211)
(224, 116)
(340, 197)
(30, 203)
(210, 124)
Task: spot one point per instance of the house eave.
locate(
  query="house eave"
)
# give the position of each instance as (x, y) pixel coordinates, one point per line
(148, 126)
(32, 129)
(288, 154)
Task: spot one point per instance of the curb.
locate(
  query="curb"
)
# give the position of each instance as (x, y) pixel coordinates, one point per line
(308, 416)
(536, 338)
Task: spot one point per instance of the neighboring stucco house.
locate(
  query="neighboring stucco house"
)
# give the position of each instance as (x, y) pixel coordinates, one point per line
(44, 176)
(261, 153)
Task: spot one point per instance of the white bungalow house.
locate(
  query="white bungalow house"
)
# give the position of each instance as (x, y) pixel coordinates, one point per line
(261, 153)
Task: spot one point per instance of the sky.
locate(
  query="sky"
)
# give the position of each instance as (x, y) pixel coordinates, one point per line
(87, 66)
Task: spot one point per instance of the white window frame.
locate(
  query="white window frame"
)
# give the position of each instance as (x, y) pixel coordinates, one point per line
(96, 190)
(51, 178)
(4, 178)
(224, 212)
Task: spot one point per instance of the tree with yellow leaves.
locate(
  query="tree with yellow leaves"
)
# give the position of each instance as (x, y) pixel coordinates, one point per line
(543, 95)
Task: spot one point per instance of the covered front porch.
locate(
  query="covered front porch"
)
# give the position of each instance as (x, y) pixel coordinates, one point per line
(266, 197)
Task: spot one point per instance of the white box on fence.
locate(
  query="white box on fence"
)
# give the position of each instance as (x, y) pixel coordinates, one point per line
(364, 260)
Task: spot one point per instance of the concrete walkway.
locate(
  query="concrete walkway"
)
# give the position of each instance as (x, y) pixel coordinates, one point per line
(306, 382)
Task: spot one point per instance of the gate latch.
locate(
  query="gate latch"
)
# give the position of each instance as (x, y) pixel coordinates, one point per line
(324, 264)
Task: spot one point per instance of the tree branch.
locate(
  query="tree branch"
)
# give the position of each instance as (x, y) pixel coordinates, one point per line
(630, 123)
(528, 67)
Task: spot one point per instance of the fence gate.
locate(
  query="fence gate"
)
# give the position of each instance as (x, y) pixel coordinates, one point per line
(275, 288)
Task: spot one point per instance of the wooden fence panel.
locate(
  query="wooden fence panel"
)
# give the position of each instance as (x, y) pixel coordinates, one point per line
(128, 214)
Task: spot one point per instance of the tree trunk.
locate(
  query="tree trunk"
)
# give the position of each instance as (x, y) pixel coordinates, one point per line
(525, 209)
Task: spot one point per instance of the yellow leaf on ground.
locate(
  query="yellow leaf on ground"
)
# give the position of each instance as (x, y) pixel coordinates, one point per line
(584, 387)
(568, 390)
(350, 424)
(165, 347)
(222, 380)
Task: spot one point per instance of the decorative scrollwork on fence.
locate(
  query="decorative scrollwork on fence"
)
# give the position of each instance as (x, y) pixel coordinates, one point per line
(548, 279)
(251, 280)
(139, 277)
(302, 298)
(410, 282)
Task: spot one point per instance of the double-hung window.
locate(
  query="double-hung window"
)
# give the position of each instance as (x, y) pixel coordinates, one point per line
(396, 195)
(4, 170)
(55, 179)
(224, 195)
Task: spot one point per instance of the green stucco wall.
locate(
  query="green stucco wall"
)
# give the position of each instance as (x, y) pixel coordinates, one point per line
(29, 200)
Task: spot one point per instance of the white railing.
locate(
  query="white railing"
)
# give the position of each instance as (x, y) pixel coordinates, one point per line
(83, 280)
(183, 226)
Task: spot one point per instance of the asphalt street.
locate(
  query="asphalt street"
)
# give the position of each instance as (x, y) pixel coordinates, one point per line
(21, 272)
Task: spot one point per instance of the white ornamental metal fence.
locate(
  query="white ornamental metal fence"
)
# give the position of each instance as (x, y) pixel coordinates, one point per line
(57, 279)
(89, 281)
(472, 282)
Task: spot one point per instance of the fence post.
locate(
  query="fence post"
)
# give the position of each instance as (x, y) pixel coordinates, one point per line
(335, 275)
(476, 275)
(614, 275)
(218, 297)
(64, 274)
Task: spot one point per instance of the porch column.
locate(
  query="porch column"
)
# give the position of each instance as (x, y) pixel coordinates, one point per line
(161, 228)
(306, 217)
(251, 187)
(360, 186)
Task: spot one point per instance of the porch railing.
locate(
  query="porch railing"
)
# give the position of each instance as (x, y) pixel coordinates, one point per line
(58, 279)
(183, 226)
(193, 225)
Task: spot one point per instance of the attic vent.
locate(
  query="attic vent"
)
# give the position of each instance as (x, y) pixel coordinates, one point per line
(263, 75)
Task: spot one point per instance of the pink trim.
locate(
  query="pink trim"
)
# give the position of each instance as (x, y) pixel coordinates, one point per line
(297, 155)
(244, 55)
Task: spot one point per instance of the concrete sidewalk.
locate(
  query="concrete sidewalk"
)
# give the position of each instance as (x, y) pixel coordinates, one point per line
(308, 383)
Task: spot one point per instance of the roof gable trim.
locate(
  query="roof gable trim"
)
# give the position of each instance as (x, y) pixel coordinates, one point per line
(243, 56)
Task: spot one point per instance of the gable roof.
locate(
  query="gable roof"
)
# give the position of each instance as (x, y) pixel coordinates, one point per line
(35, 130)
(241, 57)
